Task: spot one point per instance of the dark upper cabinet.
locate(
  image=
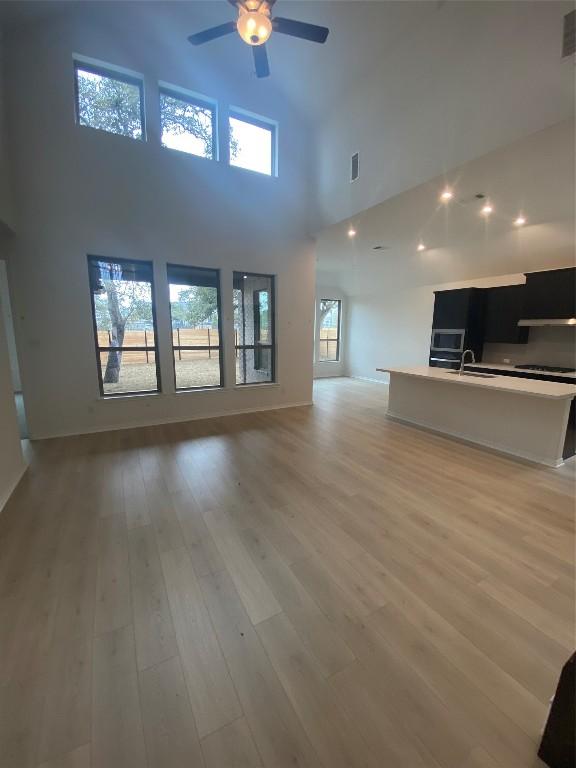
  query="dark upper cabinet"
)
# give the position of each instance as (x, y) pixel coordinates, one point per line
(504, 307)
(491, 315)
(550, 295)
(454, 309)
(462, 309)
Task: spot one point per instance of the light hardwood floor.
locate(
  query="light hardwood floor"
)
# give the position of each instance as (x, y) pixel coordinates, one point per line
(312, 588)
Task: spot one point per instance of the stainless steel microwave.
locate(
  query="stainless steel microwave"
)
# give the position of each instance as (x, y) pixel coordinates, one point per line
(447, 340)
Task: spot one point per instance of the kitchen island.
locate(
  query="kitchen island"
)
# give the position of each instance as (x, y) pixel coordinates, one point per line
(522, 417)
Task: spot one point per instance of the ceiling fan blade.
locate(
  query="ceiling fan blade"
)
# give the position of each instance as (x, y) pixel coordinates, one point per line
(300, 29)
(261, 60)
(211, 34)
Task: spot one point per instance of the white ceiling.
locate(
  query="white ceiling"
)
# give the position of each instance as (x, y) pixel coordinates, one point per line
(390, 43)
(310, 75)
(534, 176)
(362, 34)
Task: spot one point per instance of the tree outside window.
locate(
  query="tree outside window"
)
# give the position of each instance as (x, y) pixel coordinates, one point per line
(124, 321)
(109, 102)
(329, 325)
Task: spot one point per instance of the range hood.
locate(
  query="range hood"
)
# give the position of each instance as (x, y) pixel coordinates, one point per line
(558, 321)
(550, 298)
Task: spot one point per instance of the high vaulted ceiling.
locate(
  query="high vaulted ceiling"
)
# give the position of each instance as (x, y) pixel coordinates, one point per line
(420, 60)
(362, 34)
(311, 76)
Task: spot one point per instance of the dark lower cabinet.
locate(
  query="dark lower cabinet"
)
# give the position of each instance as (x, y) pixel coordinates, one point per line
(521, 374)
(558, 746)
(504, 308)
(570, 441)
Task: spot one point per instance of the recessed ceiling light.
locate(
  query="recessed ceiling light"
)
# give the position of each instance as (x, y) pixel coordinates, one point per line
(446, 195)
(351, 232)
(245, 277)
(486, 209)
(420, 246)
(520, 221)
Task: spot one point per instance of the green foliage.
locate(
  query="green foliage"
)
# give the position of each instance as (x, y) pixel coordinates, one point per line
(234, 144)
(114, 106)
(196, 306)
(123, 302)
(327, 314)
(108, 104)
(181, 117)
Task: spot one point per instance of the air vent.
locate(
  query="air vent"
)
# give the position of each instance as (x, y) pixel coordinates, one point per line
(354, 167)
(569, 38)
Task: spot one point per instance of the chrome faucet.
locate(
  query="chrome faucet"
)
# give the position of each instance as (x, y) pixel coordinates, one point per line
(463, 359)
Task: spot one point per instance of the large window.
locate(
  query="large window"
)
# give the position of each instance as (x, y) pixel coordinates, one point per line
(188, 123)
(195, 312)
(124, 325)
(252, 143)
(254, 328)
(109, 100)
(329, 342)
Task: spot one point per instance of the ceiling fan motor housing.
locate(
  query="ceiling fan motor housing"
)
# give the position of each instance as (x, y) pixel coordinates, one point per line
(254, 24)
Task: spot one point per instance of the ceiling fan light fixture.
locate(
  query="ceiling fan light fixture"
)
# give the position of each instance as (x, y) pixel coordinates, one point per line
(254, 25)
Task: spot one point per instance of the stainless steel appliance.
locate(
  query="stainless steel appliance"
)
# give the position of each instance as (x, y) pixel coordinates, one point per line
(447, 340)
(438, 361)
(545, 368)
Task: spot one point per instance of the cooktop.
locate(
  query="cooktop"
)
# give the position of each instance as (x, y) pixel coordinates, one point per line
(546, 368)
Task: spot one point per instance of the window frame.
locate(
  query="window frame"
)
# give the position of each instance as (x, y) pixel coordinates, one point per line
(338, 338)
(196, 100)
(181, 347)
(113, 73)
(98, 349)
(272, 346)
(260, 122)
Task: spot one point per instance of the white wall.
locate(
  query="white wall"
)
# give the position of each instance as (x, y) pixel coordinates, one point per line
(6, 204)
(323, 368)
(395, 326)
(390, 292)
(81, 191)
(455, 84)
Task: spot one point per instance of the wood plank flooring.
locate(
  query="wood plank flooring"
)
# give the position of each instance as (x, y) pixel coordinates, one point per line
(314, 587)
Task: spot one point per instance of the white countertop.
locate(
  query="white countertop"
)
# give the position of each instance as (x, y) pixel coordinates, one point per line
(510, 367)
(511, 384)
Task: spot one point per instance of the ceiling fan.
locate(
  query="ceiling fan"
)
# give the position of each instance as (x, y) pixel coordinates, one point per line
(255, 25)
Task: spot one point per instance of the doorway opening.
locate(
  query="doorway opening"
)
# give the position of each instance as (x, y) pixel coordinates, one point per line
(8, 322)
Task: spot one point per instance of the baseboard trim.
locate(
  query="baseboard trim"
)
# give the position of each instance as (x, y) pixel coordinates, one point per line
(374, 381)
(525, 457)
(6, 498)
(173, 420)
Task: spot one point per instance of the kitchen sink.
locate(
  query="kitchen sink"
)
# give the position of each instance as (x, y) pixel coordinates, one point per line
(474, 375)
